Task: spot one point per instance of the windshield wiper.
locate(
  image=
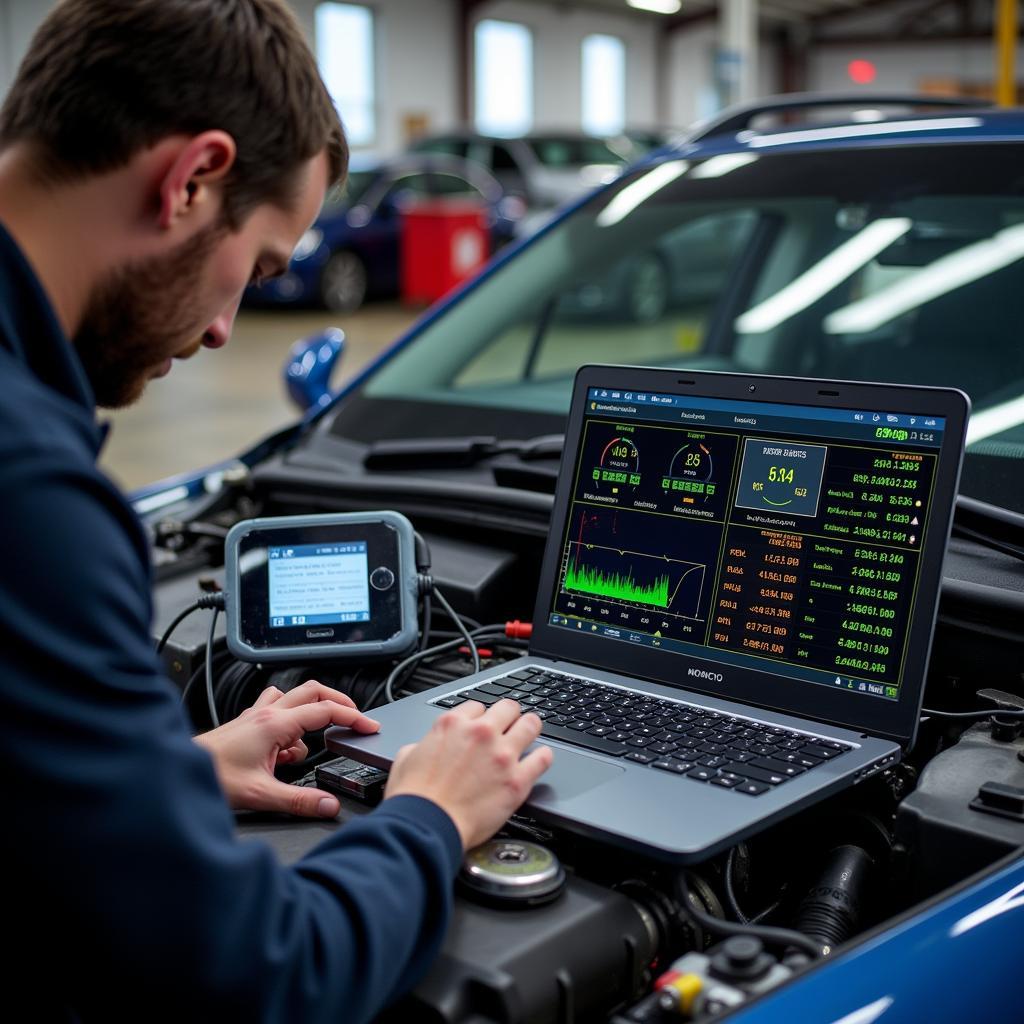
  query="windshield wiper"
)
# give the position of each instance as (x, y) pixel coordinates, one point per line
(999, 528)
(456, 452)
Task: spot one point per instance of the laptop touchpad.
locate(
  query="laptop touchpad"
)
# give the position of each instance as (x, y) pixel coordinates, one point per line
(572, 774)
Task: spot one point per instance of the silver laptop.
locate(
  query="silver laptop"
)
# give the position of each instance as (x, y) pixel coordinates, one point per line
(735, 606)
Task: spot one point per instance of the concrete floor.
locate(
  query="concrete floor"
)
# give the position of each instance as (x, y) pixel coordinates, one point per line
(219, 403)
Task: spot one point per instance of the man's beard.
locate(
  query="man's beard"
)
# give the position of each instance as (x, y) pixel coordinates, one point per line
(134, 317)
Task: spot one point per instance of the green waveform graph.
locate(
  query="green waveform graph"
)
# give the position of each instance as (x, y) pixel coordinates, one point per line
(618, 587)
(612, 575)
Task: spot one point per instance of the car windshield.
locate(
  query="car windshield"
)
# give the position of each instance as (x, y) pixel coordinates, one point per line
(902, 264)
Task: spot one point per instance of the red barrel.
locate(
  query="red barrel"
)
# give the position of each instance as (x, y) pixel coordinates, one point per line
(444, 241)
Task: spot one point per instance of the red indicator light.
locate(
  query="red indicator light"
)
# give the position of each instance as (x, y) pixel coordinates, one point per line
(862, 72)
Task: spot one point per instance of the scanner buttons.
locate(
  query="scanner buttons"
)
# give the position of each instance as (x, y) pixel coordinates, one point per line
(382, 578)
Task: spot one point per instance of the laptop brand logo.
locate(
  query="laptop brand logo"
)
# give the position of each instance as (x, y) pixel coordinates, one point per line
(715, 677)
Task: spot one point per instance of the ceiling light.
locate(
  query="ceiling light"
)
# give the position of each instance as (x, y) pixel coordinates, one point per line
(658, 6)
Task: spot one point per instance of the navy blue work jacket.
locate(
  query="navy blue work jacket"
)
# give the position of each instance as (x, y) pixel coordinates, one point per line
(127, 894)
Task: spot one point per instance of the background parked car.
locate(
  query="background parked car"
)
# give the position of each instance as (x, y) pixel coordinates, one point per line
(353, 251)
(546, 169)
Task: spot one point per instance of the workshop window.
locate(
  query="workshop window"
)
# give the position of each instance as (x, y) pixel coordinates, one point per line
(604, 85)
(504, 78)
(344, 50)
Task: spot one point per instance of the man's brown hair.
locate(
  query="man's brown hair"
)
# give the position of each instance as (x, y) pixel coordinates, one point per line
(104, 79)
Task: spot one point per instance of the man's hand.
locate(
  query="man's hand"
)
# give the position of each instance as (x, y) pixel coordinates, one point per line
(469, 764)
(246, 750)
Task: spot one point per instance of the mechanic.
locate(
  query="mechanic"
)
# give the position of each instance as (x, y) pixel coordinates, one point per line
(156, 156)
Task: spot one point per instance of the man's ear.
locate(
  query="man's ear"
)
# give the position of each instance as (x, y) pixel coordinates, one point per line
(189, 183)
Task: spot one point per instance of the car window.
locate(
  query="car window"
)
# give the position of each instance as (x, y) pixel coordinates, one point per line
(451, 147)
(447, 184)
(901, 264)
(502, 159)
(570, 152)
(407, 188)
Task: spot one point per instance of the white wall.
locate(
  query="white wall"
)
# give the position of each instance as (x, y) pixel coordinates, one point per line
(690, 78)
(417, 61)
(417, 58)
(558, 35)
(903, 68)
(18, 20)
(415, 64)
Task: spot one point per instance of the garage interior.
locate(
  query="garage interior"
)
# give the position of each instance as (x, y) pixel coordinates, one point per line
(680, 63)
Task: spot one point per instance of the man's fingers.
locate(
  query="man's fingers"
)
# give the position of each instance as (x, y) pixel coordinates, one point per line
(535, 764)
(503, 714)
(312, 717)
(468, 709)
(269, 696)
(298, 800)
(296, 752)
(403, 754)
(312, 691)
(524, 731)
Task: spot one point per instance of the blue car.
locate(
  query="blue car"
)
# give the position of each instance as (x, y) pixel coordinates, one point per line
(353, 251)
(802, 237)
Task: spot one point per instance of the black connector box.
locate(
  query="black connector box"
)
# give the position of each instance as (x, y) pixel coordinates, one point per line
(345, 777)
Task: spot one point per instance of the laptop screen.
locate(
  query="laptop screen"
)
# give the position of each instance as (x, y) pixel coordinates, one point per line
(760, 535)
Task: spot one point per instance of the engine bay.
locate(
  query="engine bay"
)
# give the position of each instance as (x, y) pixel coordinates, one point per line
(603, 934)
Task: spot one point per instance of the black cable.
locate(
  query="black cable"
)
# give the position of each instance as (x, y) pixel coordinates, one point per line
(458, 622)
(387, 687)
(730, 892)
(233, 688)
(768, 911)
(193, 679)
(976, 715)
(178, 619)
(779, 937)
(472, 623)
(215, 600)
(427, 616)
(200, 673)
(209, 670)
(395, 677)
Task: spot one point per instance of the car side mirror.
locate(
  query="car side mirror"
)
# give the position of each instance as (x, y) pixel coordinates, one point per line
(307, 373)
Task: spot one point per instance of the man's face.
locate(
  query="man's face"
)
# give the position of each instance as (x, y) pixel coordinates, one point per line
(145, 314)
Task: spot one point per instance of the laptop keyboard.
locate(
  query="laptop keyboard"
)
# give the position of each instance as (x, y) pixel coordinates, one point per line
(683, 739)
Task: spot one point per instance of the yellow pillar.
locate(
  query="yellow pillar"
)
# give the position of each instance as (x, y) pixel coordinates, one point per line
(1006, 52)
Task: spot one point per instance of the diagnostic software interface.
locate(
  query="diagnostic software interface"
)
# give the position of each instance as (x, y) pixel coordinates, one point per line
(318, 584)
(749, 532)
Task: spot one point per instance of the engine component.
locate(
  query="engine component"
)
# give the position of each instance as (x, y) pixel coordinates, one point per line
(831, 910)
(576, 957)
(512, 873)
(707, 984)
(950, 826)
